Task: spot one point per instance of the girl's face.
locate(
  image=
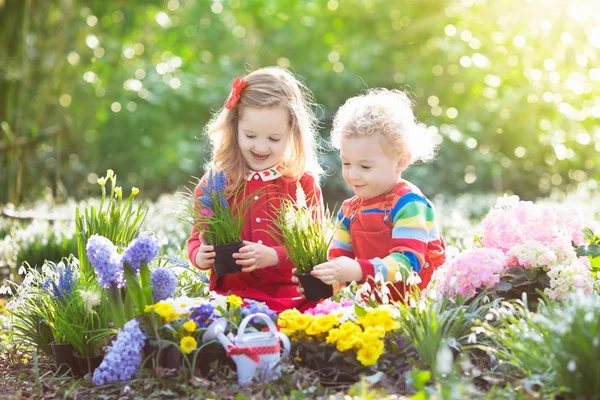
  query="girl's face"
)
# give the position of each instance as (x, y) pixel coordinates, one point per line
(263, 136)
(366, 168)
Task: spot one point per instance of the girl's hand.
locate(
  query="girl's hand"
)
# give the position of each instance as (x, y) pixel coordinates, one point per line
(256, 256)
(295, 280)
(339, 270)
(205, 257)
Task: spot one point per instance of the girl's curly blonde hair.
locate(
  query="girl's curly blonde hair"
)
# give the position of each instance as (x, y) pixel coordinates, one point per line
(388, 112)
(266, 87)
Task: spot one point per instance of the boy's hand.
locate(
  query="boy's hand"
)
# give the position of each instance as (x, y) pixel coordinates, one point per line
(256, 256)
(341, 269)
(205, 257)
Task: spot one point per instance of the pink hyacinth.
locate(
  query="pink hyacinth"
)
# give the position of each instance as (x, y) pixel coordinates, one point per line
(328, 306)
(512, 222)
(468, 272)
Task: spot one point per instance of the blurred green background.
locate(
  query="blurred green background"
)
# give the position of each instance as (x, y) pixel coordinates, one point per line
(512, 88)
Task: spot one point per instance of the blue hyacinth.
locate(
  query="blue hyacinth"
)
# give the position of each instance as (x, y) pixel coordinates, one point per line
(141, 250)
(254, 307)
(106, 261)
(164, 283)
(124, 356)
(215, 185)
(63, 289)
(203, 315)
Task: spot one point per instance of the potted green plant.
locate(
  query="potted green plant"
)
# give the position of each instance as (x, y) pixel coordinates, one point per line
(56, 295)
(212, 214)
(306, 234)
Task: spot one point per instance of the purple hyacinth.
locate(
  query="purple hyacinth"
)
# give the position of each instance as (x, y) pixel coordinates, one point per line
(254, 307)
(215, 185)
(203, 315)
(164, 283)
(106, 261)
(63, 289)
(142, 250)
(124, 356)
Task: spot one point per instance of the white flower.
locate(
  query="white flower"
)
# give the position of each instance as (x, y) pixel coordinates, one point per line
(414, 279)
(5, 290)
(444, 360)
(22, 270)
(182, 305)
(290, 218)
(300, 196)
(90, 299)
(218, 300)
(472, 338)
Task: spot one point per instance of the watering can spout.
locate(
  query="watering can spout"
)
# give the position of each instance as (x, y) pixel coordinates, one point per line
(216, 331)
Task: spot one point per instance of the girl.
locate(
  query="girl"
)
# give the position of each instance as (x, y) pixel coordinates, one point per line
(388, 228)
(264, 141)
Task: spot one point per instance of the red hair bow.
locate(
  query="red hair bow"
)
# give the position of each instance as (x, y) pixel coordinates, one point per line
(236, 90)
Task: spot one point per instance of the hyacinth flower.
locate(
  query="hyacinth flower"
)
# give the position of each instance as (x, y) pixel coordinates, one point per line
(108, 265)
(63, 289)
(164, 283)
(123, 358)
(212, 213)
(136, 257)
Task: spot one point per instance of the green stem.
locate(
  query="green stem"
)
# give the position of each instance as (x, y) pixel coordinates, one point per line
(146, 285)
(115, 304)
(134, 289)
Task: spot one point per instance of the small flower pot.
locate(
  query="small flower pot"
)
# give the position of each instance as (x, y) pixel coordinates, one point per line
(87, 365)
(314, 288)
(169, 357)
(224, 262)
(209, 356)
(64, 359)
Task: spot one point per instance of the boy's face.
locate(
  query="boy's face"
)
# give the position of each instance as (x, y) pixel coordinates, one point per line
(263, 136)
(367, 169)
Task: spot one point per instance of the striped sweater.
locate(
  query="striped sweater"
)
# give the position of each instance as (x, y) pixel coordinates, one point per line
(392, 234)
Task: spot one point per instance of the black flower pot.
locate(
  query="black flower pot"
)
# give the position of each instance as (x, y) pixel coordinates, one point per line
(224, 262)
(168, 357)
(87, 365)
(314, 288)
(64, 359)
(209, 356)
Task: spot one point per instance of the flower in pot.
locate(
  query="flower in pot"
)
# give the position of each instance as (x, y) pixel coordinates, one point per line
(340, 341)
(223, 227)
(58, 297)
(306, 235)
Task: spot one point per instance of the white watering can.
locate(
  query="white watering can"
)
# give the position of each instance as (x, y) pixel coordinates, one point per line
(254, 354)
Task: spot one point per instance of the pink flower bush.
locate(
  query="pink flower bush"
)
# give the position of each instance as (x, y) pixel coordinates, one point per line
(512, 222)
(328, 306)
(469, 271)
(521, 234)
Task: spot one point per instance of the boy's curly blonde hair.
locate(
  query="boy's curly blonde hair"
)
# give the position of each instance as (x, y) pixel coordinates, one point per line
(266, 87)
(388, 112)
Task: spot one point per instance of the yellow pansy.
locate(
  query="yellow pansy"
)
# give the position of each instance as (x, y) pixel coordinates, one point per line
(376, 332)
(347, 342)
(235, 301)
(368, 356)
(188, 344)
(189, 326)
(165, 310)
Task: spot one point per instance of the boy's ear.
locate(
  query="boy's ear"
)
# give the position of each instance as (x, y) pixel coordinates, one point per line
(403, 162)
